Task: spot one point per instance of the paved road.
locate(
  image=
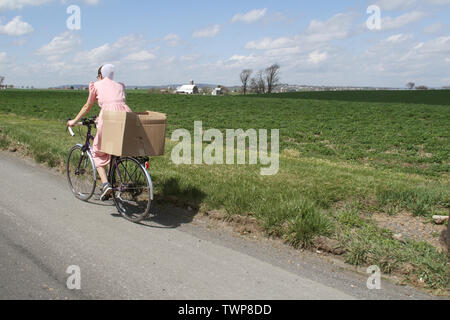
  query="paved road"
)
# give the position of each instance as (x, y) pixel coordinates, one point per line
(44, 230)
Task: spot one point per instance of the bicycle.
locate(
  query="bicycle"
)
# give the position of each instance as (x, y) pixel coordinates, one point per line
(129, 177)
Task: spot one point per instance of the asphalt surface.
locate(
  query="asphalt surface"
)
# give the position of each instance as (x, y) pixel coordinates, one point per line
(44, 230)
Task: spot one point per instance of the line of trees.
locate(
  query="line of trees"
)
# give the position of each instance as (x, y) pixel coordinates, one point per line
(265, 81)
(412, 85)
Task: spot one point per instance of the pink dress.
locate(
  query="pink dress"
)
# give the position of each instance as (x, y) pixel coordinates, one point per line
(110, 96)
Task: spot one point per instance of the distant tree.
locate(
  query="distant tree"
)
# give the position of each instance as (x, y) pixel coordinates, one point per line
(272, 77)
(245, 77)
(254, 85)
(410, 85)
(422, 88)
(258, 83)
(207, 90)
(226, 91)
(261, 82)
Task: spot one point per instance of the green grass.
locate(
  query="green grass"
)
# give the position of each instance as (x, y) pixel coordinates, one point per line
(363, 156)
(430, 97)
(404, 137)
(368, 245)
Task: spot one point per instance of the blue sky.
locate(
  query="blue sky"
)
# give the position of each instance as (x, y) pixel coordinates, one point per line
(151, 42)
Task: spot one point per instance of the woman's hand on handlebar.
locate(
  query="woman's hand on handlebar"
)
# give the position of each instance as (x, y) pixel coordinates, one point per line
(71, 123)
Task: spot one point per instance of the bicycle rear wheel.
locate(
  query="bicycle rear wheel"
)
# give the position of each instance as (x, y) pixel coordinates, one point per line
(132, 189)
(81, 173)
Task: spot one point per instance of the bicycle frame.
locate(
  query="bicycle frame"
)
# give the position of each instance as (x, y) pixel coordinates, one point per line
(115, 167)
(87, 145)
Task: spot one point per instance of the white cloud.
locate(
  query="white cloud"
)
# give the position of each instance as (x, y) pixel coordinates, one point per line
(209, 32)
(399, 38)
(97, 56)
(88, 2)
(129, 43)
(92, 2)
(251, 16)
(189, 58)
(62, 53)
(62, 44)
(337, 27)
(317, 34)
(389, 23)
(438, 46)
(172, 40)
(3, 57)
(438, 2)
(420, 61)
(141, 56)
(392, 5)
(16, 27)
(317, 57)
(269, 43)
(19, 4)
(434, 28)
(283, 52)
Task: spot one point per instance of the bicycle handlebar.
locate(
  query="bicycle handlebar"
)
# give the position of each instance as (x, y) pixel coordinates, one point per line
(83, 122)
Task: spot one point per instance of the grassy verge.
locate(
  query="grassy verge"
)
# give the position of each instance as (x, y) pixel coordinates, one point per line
(309, 198)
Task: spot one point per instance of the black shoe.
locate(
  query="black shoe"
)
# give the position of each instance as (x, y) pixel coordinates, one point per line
(106, 193)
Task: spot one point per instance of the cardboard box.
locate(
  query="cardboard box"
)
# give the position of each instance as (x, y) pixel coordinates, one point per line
(134, 134)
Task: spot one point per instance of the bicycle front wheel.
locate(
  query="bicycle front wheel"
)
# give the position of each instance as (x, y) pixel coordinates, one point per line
(132, 189)
(81, 173)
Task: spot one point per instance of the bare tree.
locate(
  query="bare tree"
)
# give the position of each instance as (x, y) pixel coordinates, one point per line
(258, 83)
(254, 85)
(410, 85)
(1, 81)
(261, 83)
(272, 77)
(245, 77)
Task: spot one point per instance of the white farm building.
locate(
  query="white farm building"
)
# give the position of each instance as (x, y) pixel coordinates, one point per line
(188, 89)
(217, 92)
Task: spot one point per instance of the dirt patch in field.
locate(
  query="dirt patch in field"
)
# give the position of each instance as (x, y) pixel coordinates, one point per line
(405, 226)
(244, 225)
(423, 153)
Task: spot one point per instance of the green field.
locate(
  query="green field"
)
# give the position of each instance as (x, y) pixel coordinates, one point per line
(344, 156)
(430, 97)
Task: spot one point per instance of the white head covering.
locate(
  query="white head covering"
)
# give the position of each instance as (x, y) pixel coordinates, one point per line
(108, 71)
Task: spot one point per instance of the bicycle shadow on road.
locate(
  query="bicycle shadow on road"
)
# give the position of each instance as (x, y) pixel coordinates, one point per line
(174, 205)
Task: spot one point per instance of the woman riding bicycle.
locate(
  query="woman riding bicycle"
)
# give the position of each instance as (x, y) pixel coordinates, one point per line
(111, 96)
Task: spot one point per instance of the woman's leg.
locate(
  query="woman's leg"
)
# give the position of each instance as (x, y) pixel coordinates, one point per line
(102, 174)
(101, 159)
